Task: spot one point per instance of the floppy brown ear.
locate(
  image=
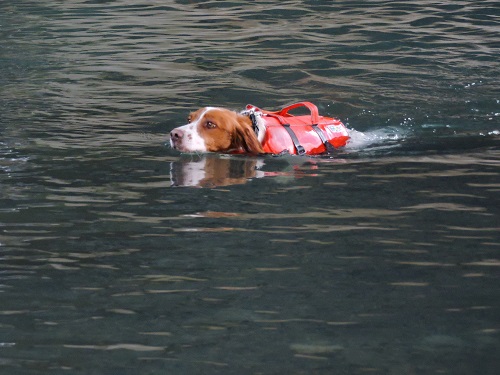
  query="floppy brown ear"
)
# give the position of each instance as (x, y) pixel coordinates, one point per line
(245, 137)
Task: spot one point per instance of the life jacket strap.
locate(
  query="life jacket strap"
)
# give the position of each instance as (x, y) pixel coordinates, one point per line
(255, 126)
(300, 149)
(329, 147)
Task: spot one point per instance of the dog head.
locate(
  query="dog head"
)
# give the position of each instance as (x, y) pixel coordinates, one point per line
(212, 129)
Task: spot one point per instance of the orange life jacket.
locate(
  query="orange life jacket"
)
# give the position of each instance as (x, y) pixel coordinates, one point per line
(306, 134)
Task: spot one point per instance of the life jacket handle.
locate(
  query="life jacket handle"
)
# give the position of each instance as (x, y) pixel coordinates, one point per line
(284, 111)
(312, 108)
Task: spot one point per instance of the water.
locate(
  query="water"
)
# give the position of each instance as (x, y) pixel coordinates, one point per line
(118, 255)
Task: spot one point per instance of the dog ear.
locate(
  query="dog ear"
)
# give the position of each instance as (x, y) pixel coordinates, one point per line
(245, 137)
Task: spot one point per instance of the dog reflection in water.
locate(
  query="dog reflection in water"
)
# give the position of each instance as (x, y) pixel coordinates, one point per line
(215, 170)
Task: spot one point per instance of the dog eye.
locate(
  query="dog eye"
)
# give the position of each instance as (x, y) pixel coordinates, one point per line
(210, 125)
(189, 119)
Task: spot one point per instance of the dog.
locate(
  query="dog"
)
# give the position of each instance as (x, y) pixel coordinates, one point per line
(254, 131)
(213, 129)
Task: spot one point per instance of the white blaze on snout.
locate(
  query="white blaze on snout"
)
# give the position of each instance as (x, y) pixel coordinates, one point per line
(191, 139)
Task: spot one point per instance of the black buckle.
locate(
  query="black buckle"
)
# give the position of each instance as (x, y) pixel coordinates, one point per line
(300, 150)
(329, 147)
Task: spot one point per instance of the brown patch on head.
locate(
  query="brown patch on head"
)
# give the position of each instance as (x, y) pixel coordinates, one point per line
(193, 116)
(224, 130)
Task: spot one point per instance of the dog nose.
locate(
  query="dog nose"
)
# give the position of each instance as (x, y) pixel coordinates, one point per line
(176, 134)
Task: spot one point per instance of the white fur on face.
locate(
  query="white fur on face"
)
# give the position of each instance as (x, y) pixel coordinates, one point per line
(191, 140)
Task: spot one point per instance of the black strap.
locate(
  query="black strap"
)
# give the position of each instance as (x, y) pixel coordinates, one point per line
(329, 147)
(295, 140)
(255, 126)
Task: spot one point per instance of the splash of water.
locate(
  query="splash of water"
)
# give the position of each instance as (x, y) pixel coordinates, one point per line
(383, 138)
